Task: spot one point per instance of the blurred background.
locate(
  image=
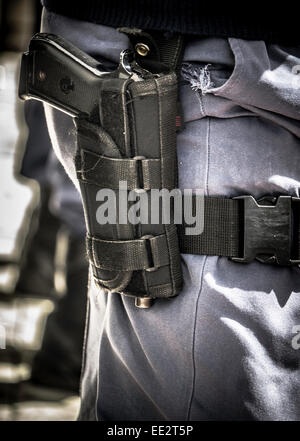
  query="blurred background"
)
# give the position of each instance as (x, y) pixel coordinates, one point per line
(43, 266)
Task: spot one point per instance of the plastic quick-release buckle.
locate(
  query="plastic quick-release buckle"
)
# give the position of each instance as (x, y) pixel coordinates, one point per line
(269, 230)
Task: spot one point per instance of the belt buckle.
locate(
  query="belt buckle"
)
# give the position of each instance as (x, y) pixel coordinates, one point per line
(268, 227)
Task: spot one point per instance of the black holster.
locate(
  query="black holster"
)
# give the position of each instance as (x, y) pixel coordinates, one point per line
(134, 143)
(126, 132)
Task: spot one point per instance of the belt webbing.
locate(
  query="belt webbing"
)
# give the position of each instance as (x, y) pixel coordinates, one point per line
(225, 232)
(222, 235)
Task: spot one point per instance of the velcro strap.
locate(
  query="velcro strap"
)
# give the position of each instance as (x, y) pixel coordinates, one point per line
(107, 172)
(129, 255)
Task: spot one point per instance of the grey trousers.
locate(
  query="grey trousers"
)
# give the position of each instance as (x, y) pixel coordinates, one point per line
(224, 349)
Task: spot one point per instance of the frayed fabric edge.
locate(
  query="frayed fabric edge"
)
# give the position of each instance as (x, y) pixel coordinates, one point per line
(198, 77)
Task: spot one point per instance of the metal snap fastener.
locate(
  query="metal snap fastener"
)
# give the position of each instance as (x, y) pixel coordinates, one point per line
(142, 49)
(143, 302)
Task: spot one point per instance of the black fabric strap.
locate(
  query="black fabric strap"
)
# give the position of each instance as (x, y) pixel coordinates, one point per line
(164, 47)
(129, 255)
(107, 172)
(222, 233)
(221, 237)
(171, 49)
(226, 233)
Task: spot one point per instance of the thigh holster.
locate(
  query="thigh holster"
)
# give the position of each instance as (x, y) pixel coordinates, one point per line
(135, 145)
(126, 136)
